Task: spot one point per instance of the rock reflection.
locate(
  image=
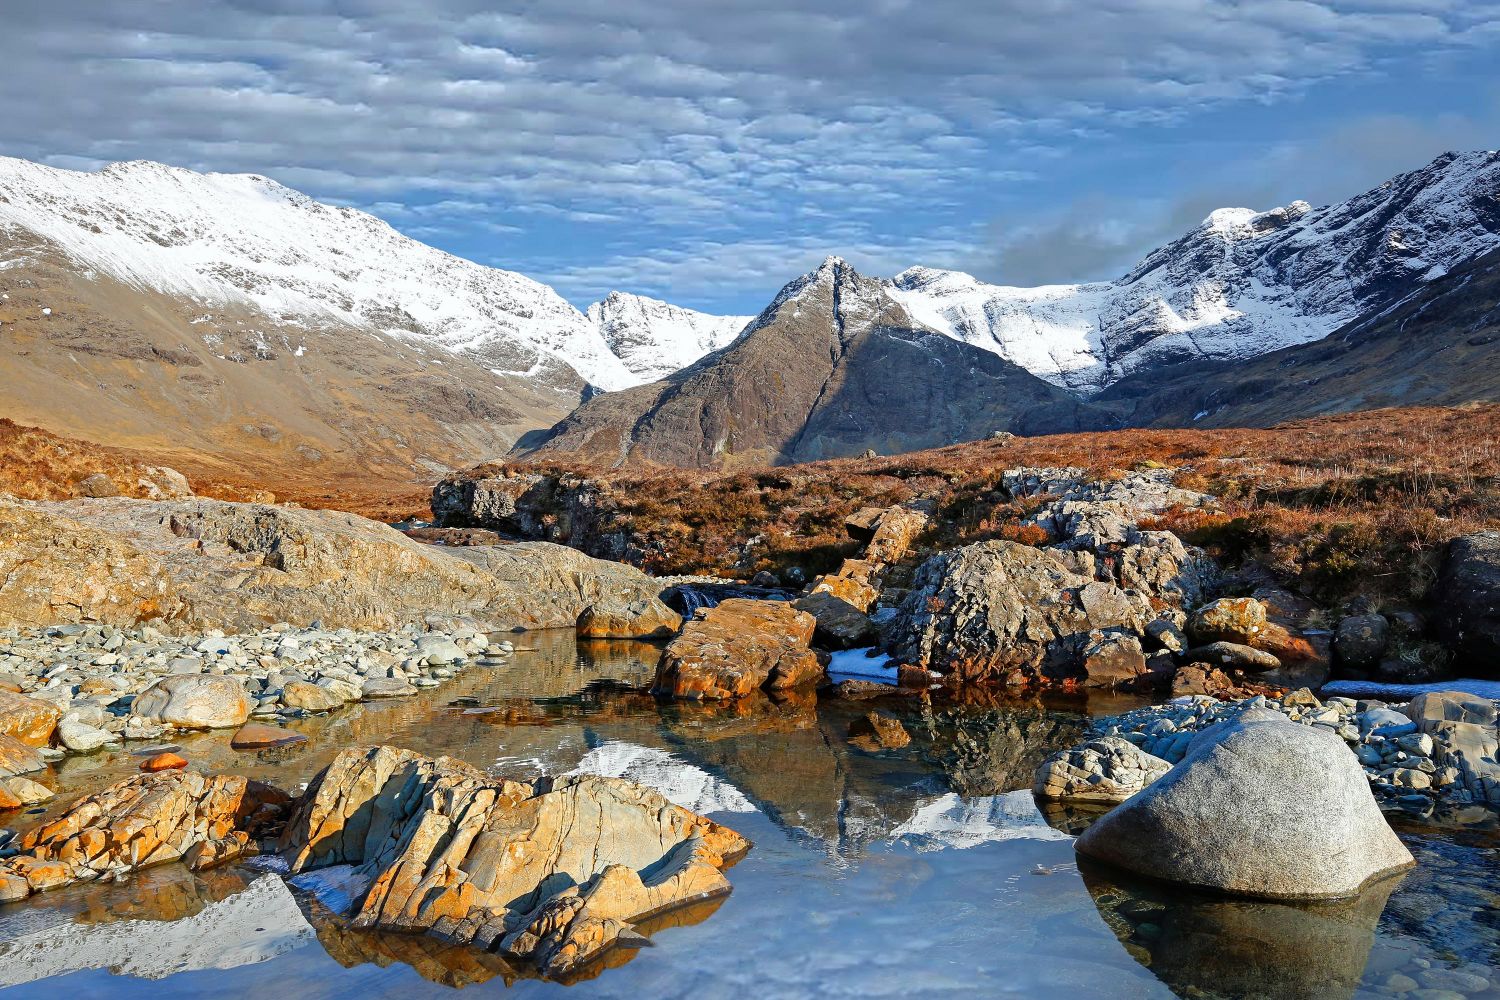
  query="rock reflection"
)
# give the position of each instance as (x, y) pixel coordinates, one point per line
(220, 920)
(1216, 947)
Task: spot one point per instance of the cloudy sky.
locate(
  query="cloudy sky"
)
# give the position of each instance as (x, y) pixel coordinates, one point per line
(708, 151)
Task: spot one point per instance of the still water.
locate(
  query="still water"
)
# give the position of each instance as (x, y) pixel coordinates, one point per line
(922, 872)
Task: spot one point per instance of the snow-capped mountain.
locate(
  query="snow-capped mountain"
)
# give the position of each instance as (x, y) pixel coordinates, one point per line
(654, 338)
(239, 239)
(1241, 284)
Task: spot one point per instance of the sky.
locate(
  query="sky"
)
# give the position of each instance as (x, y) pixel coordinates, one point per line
(707, 152)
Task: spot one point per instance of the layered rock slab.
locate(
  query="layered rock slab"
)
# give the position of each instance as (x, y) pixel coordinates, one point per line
(1236, 816)
(554, 873)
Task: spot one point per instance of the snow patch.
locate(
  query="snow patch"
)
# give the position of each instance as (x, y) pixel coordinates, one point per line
(679, 782)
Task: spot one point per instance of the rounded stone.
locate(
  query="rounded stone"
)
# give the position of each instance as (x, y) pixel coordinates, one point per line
(194, 701)
(1236, 816)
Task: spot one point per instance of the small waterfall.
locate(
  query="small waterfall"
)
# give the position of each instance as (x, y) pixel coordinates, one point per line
(686, 598)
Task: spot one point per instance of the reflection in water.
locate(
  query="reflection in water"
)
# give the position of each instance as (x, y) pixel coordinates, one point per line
(1216, 947)
(925, 871)
(219, 922)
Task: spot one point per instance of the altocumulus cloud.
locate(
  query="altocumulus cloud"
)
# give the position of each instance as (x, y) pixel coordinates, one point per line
(627, 140)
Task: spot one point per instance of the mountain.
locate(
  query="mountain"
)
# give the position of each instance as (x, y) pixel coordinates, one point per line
(1440, 345)
(228, 320)
(654, 338)
(1240, 285)
(833, 366)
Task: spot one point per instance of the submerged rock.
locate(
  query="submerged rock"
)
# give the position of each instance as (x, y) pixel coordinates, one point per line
(434, 848)
(1236, 816)
(875, 731)
(736, 648)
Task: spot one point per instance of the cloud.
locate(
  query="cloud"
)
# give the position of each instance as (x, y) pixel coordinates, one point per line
(682, 122)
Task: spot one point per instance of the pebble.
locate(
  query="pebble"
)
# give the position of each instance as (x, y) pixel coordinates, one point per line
(93, 672)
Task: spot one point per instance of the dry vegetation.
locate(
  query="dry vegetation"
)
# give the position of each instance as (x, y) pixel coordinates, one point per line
(38, 465)
(1335, 506)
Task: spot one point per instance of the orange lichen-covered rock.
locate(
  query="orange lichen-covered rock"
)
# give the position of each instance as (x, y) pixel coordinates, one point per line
(553, 873)
(30, 720)
(145, 820)
(737, 648)
(167, 761)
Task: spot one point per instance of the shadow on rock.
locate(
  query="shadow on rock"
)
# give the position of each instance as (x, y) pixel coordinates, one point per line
(1210, 946)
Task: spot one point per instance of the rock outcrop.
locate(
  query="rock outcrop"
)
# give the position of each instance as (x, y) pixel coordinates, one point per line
(1022, 614)
(1236, 816)
(145, 820)
(737, 648)
(198, 564)
(1467, 597)
(433, 846)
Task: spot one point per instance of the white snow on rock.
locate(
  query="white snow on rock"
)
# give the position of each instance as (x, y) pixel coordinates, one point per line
(861, 664)
(1241, 284)
(679, 782)
(219, 239)
(951, 821)
(654, 339)
(1406, 692)
(255, 925)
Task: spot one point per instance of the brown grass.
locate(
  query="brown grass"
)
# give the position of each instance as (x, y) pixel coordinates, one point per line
(1335, 506)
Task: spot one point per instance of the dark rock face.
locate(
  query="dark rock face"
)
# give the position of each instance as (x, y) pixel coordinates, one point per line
(833, 367)
(1468, 600)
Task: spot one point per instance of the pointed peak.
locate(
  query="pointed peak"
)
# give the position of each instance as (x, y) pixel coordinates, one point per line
(832, 262)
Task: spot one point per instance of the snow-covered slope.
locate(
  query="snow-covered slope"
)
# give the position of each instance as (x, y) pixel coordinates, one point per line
(655, 338)
(237, 239)
(1240, 285)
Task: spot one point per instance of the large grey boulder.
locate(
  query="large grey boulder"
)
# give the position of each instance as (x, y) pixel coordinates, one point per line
(1467, 597)
(1270, 809)
(194, 701)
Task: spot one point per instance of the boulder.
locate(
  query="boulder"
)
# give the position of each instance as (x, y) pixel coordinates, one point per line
(1203, 678)
(1467, 598)
(165, 761)
(1269, 809)
(145, 820)
(1360, 640)
(28, 720)
(194, 701)
(875, 731)
(310, 697)
(97, 486)
(1107, 770)
(894, 534)
(386, 687)
(1000, 610)
(736, 648)
(1111, 659)
(1246, 621)
(644, 618)
(80, 737)
(840, 625)
(1233, 656)
(432, 845)
(852, 590)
